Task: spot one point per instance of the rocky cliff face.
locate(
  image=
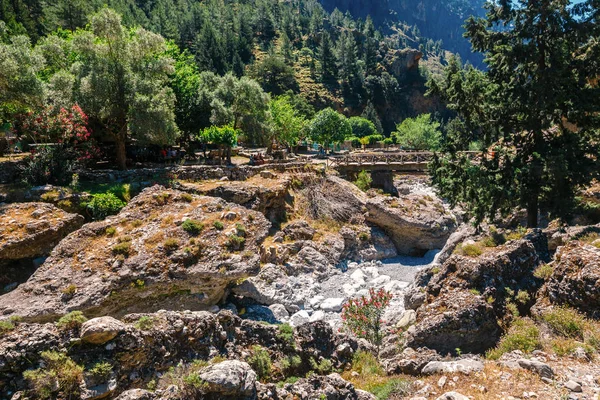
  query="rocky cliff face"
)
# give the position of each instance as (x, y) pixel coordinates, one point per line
(165, 249)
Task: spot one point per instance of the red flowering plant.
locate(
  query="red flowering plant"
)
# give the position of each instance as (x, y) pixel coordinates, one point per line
(68, 140)
(363, 316)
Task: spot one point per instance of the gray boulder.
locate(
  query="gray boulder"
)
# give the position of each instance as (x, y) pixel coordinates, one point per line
(230, 379)
(100, 330)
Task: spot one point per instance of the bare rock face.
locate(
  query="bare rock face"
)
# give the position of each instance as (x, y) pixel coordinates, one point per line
(332, 387)
(415, 223)
(575, 280)
(146, 258)
(29, 230)
(459, 303)
(268, 196)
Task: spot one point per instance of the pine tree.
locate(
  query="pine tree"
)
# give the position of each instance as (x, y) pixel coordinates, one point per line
(541, 112)
(371, 114)
(327, 58)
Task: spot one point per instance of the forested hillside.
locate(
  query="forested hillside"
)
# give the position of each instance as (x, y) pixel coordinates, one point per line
(330, 59)
(434, 20)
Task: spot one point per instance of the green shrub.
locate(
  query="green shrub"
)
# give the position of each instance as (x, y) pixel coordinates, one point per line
(322, 368)
(187, 197)
(104, 204)
(110, 231)
(286, 333)
(192, 227)
(291, 380)
(364, 236)
(366, 364)
(469, 250)
(59, 369)
(363, 181)
(260, 361)
(136, 223)
(218, 225)
(565, 322)
(72, 320)
(101, 370)
(522, 297)
(171, 244)
(6, 326)
(122, 248)
(49, 164)
(488, 241)
(544, 272)
(517, 233)
(235, 242)
(144, 323)
(290, 363)
(475, 292)
(240, 230)
(523, 335)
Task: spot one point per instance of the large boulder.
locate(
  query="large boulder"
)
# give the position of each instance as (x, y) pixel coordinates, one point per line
(146, 258)
(416, 223)
(229, 379)
(29, 230)
(575, 280)
(100, 330)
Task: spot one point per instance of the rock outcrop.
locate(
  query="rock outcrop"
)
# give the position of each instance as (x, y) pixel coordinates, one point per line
(165, 249)
(575, 280)
(140, 352)
(415, 223)
(29, 230)
(460, 303)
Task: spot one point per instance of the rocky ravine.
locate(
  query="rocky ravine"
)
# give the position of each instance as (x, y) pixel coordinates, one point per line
(144, 259)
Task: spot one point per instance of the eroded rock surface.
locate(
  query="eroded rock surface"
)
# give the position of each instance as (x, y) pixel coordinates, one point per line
(29, 230)
(143, 259)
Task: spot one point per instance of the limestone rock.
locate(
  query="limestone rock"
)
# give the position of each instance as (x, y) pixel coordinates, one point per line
(408, 318)
(299, 318)
(452, 396)
(29, 230)
(136, 394)
(410, 361)
(100, 330)
(146, 261)
(540, 368)
(414, 224)
(333, 304)
(466, 366)
(230, 379)
(575, 280)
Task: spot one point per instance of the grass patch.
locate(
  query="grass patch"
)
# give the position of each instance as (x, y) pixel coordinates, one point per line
(145, 323)
(365, 363)
(390, 388)
(286, 333)
(565, 322)
(235, 242)
(171, 245)
(72, 320)
(363, 181)
(101, 370)
(544, 272)
(523, 335)
(6, 326)
(218, 225)
(469, 250)
(122, 248)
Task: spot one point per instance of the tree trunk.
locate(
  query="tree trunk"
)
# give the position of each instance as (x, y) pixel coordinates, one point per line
(532, 212)
(121, 153)
(228, 155)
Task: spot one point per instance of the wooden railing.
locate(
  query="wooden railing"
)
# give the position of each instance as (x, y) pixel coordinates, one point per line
(405, 157)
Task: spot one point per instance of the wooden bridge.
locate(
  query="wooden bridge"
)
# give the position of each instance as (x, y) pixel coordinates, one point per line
(406, 161)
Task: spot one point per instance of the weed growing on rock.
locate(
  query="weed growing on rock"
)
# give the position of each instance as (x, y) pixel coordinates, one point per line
(101, 370)
(322, 368)
(517, 233)
(522, 297)
(6, 326)
(363, 316)
(235, 242)
(364, 236)
(70, 290)
(523, 335)
(60, 375)
(144, 323)
(290, 363)
(365, 363)
(192, 227)
(544, 272)
(122, 248)
(260, 361)
(171, 244)
(186, 197)
(390, 389)
(104, 204)
(110, 231)
(286, 333)
(136, 223)
(469, 250)
(218, 225)
(72, 320)
(291, 380)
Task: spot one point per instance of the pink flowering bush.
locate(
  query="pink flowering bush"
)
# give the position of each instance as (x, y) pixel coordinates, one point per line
(363, 316)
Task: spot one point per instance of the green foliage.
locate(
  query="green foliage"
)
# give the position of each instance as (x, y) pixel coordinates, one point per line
(145, 323)
(420, 133)
(535, 156)
(218, 225)
(363, 181)
(544, 271)
(522, 297)
(6, 326)
(323, 367)
(390, 388)
(49, 165)
(286, 333)
(101, 370)
(224, 136)
(565, 322)
(470, 250)
(192, 227)
(329, 127)
(362, 127)
(171, 244)
(60, 374)
(288, 124)
(366, 364)
(260, 361)
(235, 242)
(274, 75)
(72, 320)
(104, 204)
(110, 231)
(523, 335)
(122, 248)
